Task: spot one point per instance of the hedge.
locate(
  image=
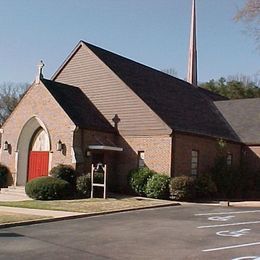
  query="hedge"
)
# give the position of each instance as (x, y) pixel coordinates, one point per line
(4, 172)
(64, 172)
(158, 187)
(138, 179)
(47, 188)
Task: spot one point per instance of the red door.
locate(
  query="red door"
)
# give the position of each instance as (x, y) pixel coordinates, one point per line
(38, 164)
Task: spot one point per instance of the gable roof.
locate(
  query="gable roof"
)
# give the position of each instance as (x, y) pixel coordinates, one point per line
(77, 106)
(180, 105)
(244, 117)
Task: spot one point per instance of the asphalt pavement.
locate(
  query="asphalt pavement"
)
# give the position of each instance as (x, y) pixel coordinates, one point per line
(189, 231)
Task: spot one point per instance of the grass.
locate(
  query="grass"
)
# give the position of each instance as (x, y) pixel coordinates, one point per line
(8, 217)
(87, 205)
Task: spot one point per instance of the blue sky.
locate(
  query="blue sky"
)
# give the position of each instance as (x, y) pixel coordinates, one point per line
(153, 32)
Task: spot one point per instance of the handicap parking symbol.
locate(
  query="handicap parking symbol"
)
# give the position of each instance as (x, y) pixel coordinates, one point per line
(221, 218)
(238, 233)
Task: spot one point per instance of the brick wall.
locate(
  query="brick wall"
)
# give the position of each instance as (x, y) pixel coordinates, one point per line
(82, 139)
(207, 148)
(252, 157)
(39, 102)
(157, 154)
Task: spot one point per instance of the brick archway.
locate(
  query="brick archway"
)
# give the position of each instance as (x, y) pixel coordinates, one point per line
(24, 146)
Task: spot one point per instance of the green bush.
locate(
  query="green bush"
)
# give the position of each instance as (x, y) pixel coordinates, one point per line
(205, 188)
(99, 177)
(83, 185)
(182, 188)
(4, 172)
(158, 187)
(64, 172)
(229, 181)
(138, 179)
(47, 188)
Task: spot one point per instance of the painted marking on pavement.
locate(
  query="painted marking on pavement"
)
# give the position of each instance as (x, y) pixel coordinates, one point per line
(238, 233)
(219, 218)
(230, 247)
(227, 213)
(247, 257)
(231, 224)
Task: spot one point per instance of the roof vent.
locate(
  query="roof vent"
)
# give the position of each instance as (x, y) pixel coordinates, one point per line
(39, 75)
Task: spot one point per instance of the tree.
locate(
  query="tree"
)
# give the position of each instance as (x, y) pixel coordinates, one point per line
(234, 88)
(10, 95)
(170, 71)
(250, 15)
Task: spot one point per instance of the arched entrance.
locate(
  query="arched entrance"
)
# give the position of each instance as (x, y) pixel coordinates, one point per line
(38, 164)
(33, 151)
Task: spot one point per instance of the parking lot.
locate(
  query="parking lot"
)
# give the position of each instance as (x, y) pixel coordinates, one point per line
(231, 233)
(190, 231)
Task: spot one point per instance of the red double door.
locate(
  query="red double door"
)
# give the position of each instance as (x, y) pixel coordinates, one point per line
(38, 164)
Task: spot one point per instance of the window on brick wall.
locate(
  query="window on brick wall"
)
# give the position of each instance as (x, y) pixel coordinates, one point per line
(140, 159)
(229, 159)
(194, 162)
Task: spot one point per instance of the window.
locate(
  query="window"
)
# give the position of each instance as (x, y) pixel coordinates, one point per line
(194, 162)
(229, 159)
(140, 159)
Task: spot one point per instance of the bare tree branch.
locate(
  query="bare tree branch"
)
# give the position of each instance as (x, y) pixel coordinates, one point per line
(250, 15)
(10, 94)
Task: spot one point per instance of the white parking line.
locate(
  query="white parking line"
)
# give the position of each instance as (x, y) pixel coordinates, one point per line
(231, 224)
(230, 247)
(228, 213)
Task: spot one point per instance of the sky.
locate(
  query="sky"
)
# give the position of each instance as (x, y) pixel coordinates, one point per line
(152, 32)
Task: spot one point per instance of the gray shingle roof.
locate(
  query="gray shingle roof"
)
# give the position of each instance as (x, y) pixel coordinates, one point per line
(244, 117)
(180, 105)
(77, 106)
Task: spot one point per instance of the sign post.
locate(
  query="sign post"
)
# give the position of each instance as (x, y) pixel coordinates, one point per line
(103, 169)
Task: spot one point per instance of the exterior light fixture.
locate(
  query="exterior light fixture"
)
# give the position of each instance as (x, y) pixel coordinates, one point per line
(88, 153)
(6, 146)
(59, 146)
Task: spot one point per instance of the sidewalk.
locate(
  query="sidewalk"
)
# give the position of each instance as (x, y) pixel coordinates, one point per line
(40, 212)
(237, 204)
(253, 204)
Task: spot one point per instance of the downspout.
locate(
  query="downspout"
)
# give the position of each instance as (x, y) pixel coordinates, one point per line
(173, 154)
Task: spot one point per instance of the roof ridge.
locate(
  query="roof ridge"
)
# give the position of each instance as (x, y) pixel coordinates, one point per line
(176, 102)
(90, 45)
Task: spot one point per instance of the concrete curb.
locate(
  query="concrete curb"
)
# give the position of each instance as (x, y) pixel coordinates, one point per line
(229, 204)
(82, 215)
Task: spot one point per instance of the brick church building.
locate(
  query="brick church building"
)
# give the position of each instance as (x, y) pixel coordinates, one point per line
(102, 107)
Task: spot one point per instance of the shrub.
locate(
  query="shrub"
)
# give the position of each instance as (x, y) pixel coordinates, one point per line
(47, 188)
(83, 183)
(64, 172)
(138, 179)
(229, 181)
(158, 187)
(205, 188)
(99, 177)
(182, 188)
(4, 172)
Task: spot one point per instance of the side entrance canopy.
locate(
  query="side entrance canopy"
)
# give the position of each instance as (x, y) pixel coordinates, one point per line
(104, 144)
